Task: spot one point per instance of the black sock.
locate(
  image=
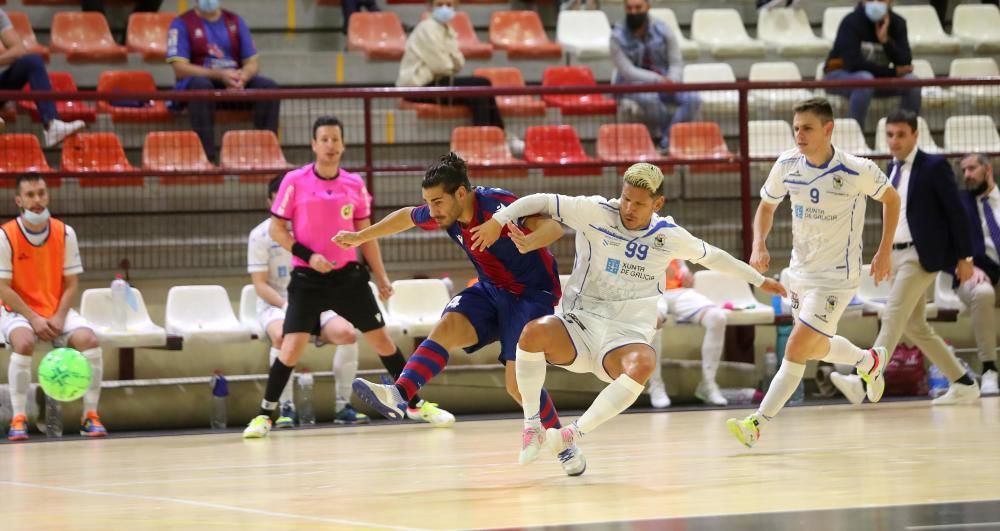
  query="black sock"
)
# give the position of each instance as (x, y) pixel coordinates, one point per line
(394, 363)
(990, 366)
(965, 380)
(277, 378)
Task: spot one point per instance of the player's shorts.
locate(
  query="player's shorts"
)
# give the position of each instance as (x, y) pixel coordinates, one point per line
(344, 290)
(9, 321)
(683, 304)
(498, 315)
(271, 314)
(818, 308)
(594, 337)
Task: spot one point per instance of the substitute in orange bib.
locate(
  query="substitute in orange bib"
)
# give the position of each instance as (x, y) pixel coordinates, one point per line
(39, 269)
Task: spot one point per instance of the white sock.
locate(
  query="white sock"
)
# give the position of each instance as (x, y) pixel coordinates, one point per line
(345, 368)
(93, 395)
(714, 322)
(845, 352)
(287, 394)
(19, 378)
(614, 399)
(782, 388)
(530, 371)
(658, 368)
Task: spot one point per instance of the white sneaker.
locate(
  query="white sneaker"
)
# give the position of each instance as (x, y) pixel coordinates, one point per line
(562, 442)
(850, 386)
(58, 131)
(988, 385)
(874, 379)
(708, 392)
(382, 397)
(658, 394)
(516, 146)
(958, 394)
(430, 412)
(258, 428)
(532, 439)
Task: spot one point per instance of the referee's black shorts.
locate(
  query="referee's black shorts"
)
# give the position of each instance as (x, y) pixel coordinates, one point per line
(344, 290)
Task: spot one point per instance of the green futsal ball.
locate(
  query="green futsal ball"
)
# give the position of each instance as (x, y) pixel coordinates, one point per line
(64, 374)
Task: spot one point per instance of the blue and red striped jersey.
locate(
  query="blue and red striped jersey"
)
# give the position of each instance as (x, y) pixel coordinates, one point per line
(533, 274)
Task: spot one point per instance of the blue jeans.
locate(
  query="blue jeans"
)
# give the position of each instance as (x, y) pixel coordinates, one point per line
(861, 98)
(30, 69)
(656, 114)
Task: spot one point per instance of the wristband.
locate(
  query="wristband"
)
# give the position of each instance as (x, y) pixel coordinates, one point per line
(301, 252)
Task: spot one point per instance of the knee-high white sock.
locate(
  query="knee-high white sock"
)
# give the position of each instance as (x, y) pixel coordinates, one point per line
(530, 371)
(714, 322)
(345, 368)
(657, 347)
(847, 353)
(615, 398)
(19, 378)
(782, 388)
(95, 357)
(287, 394)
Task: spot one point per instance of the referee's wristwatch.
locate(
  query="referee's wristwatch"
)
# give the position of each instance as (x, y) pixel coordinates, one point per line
(968, 259)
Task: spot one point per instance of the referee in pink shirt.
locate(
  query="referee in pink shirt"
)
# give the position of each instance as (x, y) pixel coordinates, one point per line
(320, 200)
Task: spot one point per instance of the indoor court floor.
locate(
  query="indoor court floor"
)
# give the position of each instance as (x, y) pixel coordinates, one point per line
(897, 465)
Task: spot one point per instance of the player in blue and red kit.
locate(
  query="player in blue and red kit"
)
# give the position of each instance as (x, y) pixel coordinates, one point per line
(518, 282)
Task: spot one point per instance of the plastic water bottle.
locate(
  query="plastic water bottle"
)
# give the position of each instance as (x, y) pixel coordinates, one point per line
(307, 415)
(119, 303)
(6, 410)
(53, 418)
(937, 382)
(770, 368)
(220, 392)
(738, 396)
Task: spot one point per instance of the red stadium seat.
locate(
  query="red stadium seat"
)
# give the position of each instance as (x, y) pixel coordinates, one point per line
(147, 35)
(177, 151)
(85, 152)
(379, 35)
(506, 76)
(68, 110)
(575, 104)
(85, 38)
(556, 143)
(21, 153)
(626, 144)
(23, 27)
(468, 43)
(253, 150)
(701, 140)
(112, 81)
(485, 146)
(521, 34)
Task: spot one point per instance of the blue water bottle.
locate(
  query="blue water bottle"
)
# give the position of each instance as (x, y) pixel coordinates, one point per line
(220, 391)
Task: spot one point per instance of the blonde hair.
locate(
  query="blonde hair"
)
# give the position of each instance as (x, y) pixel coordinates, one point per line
(646, 176)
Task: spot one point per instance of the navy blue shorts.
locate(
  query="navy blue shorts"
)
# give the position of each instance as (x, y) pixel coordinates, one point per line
(497, 315)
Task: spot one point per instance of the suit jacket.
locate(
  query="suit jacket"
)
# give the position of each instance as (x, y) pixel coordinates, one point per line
(935, 215)
(979, 258)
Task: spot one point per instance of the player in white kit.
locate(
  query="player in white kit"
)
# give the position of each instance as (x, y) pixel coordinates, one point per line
(270, 267)
(609, 306)
(827, 189)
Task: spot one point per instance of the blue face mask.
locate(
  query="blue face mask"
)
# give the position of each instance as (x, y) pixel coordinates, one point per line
(208, 5)
(36, 218)
(876, 11)
(443, 14)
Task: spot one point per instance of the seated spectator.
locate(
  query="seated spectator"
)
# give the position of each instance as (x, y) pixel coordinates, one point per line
(141, 6)
(350, 7)
(645, 50)
(872, 43)
(20, 68)
(432, 59)
(210, 48)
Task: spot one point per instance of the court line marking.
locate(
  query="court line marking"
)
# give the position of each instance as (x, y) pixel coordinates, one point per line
(207, 505)
(955, 526)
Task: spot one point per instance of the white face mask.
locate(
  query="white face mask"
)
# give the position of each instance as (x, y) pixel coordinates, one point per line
(33, 218)
(876, 11)
(208, 6)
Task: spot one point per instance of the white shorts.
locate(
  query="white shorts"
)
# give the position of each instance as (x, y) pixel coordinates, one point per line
(819, 308)
(594, 337)
(683, 304)
(9, 321)
(272, 313)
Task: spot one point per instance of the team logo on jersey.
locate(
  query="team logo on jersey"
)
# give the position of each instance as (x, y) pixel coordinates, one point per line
(831, 303)
(455, 302)
(613, 266)
(799, 211)
(795, 300)
(346, 211)
(838, 182)
(282, 271)
(794, 174)
(659, 241)
(197, 33)
(610, 243)
(459, 238)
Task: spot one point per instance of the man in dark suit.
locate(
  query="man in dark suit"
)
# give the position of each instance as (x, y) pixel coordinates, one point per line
(932, 236)
(982, 210)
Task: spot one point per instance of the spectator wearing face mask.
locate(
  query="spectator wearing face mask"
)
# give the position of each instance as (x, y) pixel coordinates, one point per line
(645, 50)
(872, 43)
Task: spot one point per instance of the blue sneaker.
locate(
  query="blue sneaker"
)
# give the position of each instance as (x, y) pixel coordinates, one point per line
(286, 418)
(349, 415)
